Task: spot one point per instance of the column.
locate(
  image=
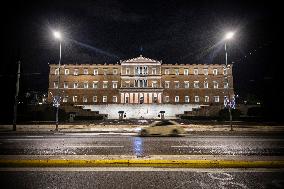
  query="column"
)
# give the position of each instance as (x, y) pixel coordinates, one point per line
(150, 98)
(131, 98)
(159, 98)
(145, 98)
(136, 98)
(122, 98)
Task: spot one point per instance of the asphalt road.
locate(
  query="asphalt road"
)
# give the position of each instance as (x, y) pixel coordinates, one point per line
(105, 144)
(121, 178)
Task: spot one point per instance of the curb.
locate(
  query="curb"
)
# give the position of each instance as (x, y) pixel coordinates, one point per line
(143, 163)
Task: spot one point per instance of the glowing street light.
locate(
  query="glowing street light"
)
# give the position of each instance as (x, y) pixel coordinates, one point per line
(57, 35)
(228, 36)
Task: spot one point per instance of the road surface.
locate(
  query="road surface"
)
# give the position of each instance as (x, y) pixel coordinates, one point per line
(123, 178)
(123, 144)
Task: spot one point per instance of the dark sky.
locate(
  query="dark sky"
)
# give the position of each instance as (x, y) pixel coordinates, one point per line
(172, 31)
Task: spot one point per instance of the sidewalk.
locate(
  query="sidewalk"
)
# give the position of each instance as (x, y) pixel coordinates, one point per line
(135, 128)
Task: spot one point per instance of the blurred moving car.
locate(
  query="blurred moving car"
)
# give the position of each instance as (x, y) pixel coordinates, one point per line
(164, 127)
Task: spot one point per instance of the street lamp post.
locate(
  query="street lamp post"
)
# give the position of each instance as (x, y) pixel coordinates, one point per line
(57, 35)
(228, 36)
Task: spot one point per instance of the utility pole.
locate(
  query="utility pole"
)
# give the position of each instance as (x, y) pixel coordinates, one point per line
(228, 93)
(16, 96)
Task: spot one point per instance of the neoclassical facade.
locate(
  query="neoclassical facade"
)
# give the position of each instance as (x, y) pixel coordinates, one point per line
(141, 80)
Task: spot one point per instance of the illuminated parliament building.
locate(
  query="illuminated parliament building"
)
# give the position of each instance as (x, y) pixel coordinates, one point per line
(141, 87)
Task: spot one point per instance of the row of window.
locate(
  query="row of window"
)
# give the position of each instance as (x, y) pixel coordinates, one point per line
(143, 71)
(196, 84)
(143, 83)
(166, 99)
(86, 85)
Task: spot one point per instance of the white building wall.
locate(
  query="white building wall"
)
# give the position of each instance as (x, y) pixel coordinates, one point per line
(136, 111)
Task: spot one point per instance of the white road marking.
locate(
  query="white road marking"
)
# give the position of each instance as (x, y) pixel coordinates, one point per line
(96, 134)
(76, 146)
(220, 146)
(34, 136)
(11, 139)
(200, 146)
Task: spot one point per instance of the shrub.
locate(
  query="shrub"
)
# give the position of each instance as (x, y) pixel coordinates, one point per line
(225, 115)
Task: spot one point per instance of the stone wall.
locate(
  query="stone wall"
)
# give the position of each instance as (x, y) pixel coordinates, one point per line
(136, 111)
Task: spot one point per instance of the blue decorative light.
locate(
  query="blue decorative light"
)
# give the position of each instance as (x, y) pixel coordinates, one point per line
(230, 103)
(56, 101)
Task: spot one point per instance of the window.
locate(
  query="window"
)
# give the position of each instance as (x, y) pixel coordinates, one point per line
(145, 70)
(167, 84)
(104, 98)
(205, 84)
(215, 84)
(55, 84)
(226, 85)
(177, 99)
(164, 123)
(65, 85)
(196, 99)
(75, 99)
(205, 71)
(186, 84)
(186, 99)
(195, 71)
(206, 99)
(85, 99)
(177, 71)
(96, 71)
(86, 85)
(141, 83)
(154, 84)
(196, 84)
(167, 71)
(216, 98)
(105, 84)
(126, 99)
(225, 71)
(105, 71)
(167, 99)
(95, 98)
(114, 71)
(95, 84)
(155, 98)
(86, 71)
(176, 84)
(76, 71)
(215, 71)
(185, 71)
(114, 99)
(75, 85)
(65, 99)
(66, 71)
(56, 71)
(127, 84)
(139, 70)
(114, 84)
(127, 71)
(154, 71)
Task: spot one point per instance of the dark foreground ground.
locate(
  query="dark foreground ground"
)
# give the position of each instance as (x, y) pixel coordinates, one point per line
(120, 178)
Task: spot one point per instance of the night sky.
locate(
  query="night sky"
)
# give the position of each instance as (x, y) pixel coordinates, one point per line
(171, 31)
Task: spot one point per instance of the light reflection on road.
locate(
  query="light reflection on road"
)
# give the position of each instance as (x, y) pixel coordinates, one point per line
(138, 146)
